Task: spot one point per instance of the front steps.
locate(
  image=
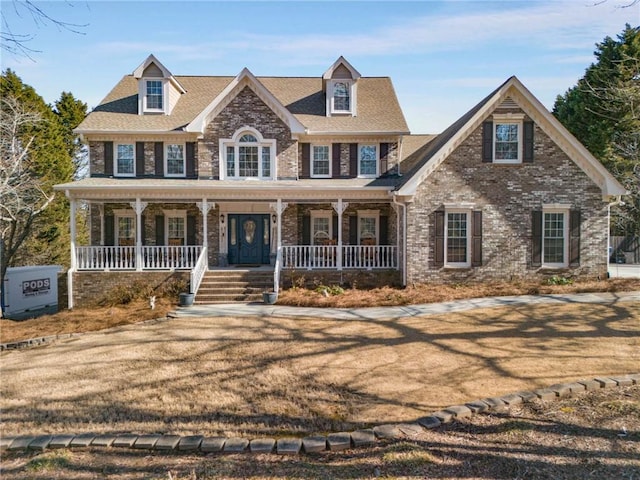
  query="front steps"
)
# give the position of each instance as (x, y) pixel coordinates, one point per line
(234, 285)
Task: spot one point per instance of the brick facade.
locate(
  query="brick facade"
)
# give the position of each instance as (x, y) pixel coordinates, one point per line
(248, 110)
(506, 195)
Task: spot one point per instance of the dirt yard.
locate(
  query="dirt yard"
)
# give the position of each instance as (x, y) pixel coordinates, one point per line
(274, 376)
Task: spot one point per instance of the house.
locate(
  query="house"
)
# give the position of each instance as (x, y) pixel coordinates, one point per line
(320, 178)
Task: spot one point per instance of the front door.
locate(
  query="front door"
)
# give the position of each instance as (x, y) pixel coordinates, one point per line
(249, 242)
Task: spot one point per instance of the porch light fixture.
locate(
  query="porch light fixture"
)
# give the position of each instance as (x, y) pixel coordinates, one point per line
(274, 219)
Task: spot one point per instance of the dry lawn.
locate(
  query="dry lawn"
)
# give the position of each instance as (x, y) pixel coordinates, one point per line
(594, 435)
(286, 376)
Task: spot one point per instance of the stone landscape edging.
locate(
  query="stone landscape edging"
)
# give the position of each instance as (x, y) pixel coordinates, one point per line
(312, 444)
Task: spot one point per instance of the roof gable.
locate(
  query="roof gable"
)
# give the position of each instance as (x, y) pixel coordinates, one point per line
(511, 91)
(244, 79)
(339, 67)
(148, 66)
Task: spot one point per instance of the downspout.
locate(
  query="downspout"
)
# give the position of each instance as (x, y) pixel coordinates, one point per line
(72, 246)
(404, 238)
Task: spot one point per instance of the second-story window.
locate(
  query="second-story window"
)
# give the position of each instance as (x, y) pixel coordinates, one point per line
(175, 160)
(125, 160)
(248, 155)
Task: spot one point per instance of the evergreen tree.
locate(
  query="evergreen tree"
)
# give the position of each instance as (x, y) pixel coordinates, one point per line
(34, 235)
(603, 112)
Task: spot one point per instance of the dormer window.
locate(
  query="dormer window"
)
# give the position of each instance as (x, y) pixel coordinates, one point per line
(341, 97)
(154, 97)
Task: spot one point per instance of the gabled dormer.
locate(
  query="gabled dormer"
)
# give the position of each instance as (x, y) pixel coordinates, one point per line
(340, 87)
(158, 90)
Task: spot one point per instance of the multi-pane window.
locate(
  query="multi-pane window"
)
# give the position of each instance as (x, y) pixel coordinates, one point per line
(507, 142)
(320, 165)
(367, 160)
(154, 95)
(341, 100)
(248, 157)
(126, 231)
(125, 160)
(175, 230)
(175, 160)
(321, 228)
(457, 238)
(554, 234)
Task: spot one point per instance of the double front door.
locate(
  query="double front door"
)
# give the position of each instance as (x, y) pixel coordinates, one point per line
(249, 239)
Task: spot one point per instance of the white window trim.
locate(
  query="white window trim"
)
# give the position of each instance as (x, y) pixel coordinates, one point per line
(117, 215)
(166, 161)
(116, 173)
(174, 214)
(508, 119)
(467, 263)
(369, 214)
(234, 142)
(330, 160)
(142, 95)
(556, 208)
(321, 214)
(351, 84)
(377, 174)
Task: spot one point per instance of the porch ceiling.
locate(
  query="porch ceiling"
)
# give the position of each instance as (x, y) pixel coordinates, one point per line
(221, 190)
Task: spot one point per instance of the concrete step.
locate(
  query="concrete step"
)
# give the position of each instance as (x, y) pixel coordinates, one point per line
(234, 286)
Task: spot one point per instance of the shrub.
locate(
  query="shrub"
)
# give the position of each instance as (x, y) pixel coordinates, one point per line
(559, 280)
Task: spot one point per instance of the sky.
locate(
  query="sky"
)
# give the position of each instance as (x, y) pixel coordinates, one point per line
(442, 56)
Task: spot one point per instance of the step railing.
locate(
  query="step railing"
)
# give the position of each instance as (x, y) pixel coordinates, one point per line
(198, 271)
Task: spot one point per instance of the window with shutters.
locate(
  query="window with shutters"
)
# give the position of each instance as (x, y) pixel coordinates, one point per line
(247, 155)
(175, 160)
(555, 237)
(125, 160)
(368, 161)
(457, 238)
(125, 224)
(175, 227)
(368, 227)
(321, 227)
(507, 138)
(320, 161)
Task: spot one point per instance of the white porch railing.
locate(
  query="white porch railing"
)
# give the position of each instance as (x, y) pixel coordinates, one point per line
(170, 257)
(312, 257)
(198, 271)
(124, 258)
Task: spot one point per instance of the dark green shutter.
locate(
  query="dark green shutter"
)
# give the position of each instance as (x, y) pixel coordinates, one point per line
(139, 159)
(108, 159)
(335, 159)
(160, 230)
(528, 142)
(306, 230)
(353, 230)
(335, 227)
(536, 238)
(191, 230)
(487, 142)
(306, 160)
(109, 230)
(191, 159)
(143, 235)
(159, 157)
(384, 230)
(439, 239)
(353, 160)
(384, 158)
(476, 239)
(574, 238)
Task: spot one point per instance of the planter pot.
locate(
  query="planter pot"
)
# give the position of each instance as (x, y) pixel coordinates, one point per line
(269, 297)
(186, 299)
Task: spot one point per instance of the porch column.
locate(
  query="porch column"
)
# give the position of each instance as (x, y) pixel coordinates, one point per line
(279, 207)
(139, 206)
(73, 264)
(339, 207)
(204, 208)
